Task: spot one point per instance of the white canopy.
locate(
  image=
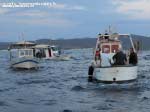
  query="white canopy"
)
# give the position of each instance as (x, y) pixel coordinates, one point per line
(24, 43)
(41, 46)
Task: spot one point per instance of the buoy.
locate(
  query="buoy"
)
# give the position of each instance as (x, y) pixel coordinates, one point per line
(90, 73)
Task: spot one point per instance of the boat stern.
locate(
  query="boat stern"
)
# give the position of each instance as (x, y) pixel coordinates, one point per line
(116, 74)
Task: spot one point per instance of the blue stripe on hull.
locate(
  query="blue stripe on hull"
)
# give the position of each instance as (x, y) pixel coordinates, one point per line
(25, 61)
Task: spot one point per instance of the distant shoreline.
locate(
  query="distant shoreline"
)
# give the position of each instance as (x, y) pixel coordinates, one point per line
(80, 43)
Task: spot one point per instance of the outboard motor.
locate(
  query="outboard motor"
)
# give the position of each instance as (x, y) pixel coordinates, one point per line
(90, 73)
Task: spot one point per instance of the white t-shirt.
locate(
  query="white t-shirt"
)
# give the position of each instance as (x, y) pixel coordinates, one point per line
(105, 60)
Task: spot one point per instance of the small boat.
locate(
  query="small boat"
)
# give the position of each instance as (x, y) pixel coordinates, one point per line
(49, 52)
(104, 71)
(22, 56)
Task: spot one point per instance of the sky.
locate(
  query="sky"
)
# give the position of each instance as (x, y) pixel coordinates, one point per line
(65, 19)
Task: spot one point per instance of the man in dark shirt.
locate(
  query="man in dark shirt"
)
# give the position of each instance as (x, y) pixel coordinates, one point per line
(133, 57)
(119, 58)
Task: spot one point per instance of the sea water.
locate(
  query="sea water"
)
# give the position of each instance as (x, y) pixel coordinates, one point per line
(62, 86)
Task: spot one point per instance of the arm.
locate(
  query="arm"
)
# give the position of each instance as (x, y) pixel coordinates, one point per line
(114, 57)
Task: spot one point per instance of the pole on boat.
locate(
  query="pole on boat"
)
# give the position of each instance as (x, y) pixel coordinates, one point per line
(130, 37)
(97, 42)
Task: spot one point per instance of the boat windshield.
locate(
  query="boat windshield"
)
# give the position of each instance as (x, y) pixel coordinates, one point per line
(110, 47)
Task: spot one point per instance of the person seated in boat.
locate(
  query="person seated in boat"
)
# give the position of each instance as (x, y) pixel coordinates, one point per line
(133, 59)
(38, 54)
(119, 58)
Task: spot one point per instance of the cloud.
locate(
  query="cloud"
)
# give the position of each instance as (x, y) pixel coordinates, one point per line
(3, 11)
(135, 9)
(52, 5)
(50, 22)
(31, 13)
(42, 18)
(66, 6)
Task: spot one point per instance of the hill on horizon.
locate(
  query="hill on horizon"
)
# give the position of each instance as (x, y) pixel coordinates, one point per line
(81, 42)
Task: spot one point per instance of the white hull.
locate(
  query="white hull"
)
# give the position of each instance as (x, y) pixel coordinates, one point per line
(114, 74)
(59, 58)
(63, 58)
(24, 63)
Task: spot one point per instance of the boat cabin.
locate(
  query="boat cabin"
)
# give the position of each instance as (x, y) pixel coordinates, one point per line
(109, 44)
(46, 51)
(21, 49)
(25, 53)
(110, 47)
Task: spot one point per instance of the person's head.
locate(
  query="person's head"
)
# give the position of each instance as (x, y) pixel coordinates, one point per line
(131, 50)
(119, 49)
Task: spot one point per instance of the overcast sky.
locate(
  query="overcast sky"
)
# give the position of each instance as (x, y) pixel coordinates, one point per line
(73, 18)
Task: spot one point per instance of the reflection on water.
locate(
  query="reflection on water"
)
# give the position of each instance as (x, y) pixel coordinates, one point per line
(61, 86)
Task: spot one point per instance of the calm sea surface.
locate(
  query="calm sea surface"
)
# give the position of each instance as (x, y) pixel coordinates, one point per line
(61, 86)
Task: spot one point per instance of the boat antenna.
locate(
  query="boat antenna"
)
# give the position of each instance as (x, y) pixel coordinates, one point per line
(109, 30)
(97, 43)
(50, 41)
(23, 39)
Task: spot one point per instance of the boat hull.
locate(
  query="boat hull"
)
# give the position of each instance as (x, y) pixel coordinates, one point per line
(25, 64)
(59, 58)
(116, 74)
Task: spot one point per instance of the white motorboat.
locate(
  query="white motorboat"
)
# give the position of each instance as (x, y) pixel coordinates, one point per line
(49, 52)
(22, 56)
(102, 69)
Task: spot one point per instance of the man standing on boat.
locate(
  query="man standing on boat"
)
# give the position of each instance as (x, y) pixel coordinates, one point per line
(119, 58)
(98, 57)
(133, 57)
